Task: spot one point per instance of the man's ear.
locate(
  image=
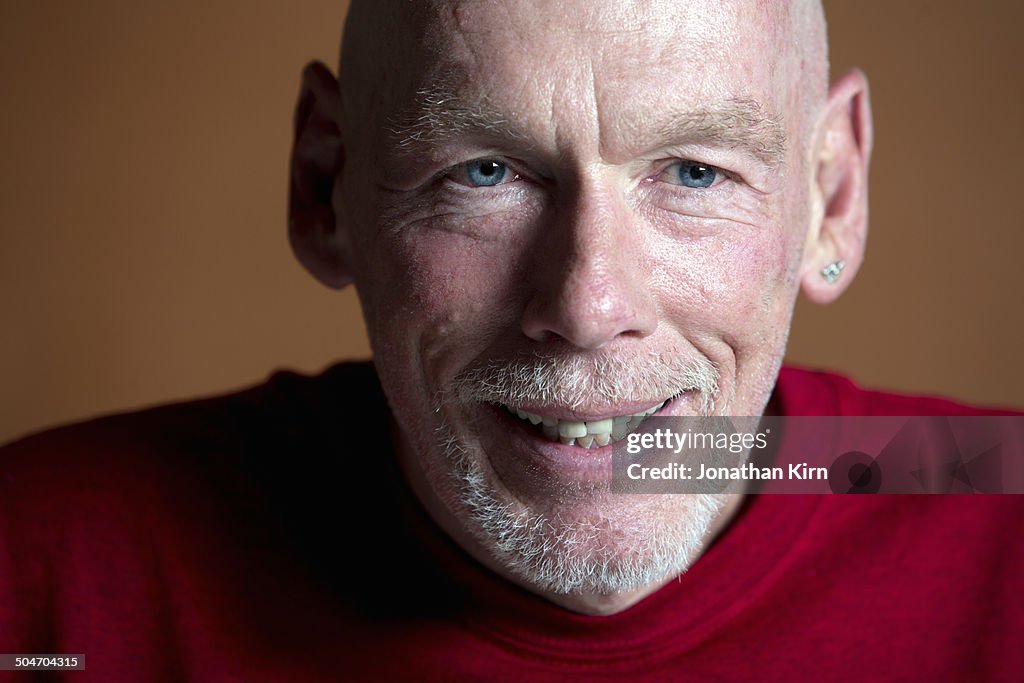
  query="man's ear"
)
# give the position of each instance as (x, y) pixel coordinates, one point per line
(318, 157)
(839, 192)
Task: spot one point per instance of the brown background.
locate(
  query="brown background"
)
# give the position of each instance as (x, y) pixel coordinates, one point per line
(143, 183)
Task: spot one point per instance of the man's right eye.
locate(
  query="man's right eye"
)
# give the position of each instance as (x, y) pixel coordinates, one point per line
(483, 173)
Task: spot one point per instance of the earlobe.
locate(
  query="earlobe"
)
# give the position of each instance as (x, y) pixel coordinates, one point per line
(839, 227)
(318, 157)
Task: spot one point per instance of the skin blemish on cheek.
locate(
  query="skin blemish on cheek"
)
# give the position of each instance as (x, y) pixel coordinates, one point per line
(475, 17)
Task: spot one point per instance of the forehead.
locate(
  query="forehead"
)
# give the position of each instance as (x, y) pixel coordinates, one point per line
(595, 65)
(607, 25)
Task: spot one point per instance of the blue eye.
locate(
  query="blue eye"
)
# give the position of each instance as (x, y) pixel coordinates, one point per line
(695, 175)
(486, 172)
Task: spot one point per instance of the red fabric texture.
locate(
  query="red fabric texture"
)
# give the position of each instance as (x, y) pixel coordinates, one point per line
(267, 536)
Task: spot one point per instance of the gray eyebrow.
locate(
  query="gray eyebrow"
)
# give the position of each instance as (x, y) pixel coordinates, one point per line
(736, 123)
(438, 115)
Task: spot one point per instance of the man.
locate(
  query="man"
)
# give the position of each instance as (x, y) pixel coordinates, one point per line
(617, 231)
(561, 219)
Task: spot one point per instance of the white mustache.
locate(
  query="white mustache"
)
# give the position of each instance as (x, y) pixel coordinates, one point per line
(577, 380)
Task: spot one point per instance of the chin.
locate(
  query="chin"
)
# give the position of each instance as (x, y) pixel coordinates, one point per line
(583, 542)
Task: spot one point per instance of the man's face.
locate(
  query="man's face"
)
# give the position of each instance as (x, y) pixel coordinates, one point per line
(583, 211)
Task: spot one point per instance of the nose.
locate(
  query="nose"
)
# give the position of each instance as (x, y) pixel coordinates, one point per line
(590, 278)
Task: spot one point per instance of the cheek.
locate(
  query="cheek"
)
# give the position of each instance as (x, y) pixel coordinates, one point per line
(441, 294)
(730, 282)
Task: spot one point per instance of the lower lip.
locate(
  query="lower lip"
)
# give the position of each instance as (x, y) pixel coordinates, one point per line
(551, 459)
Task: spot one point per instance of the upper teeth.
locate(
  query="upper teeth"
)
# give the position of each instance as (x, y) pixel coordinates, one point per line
(592, 434)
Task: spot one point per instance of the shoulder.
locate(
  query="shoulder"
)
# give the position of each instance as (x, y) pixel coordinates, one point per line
(204, 509)
(216, 442)
(810, 392)
(264, 467)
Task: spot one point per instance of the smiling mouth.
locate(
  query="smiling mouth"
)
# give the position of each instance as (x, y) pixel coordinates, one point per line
(585, 434)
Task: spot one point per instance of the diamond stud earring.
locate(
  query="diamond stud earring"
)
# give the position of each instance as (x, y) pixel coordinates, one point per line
(832, 270)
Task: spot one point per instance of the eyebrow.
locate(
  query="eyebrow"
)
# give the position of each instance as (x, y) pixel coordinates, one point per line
(737, 123)
(438, 115)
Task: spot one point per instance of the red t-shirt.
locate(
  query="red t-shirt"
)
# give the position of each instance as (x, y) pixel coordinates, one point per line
(267, 536)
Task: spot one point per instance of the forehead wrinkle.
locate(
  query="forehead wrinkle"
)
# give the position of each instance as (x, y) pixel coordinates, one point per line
(443, 111)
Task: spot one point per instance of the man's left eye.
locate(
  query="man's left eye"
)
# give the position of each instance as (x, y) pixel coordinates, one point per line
(483, 173)
(692, 174)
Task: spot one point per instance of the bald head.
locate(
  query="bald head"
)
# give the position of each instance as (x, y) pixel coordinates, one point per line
(393, 47)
